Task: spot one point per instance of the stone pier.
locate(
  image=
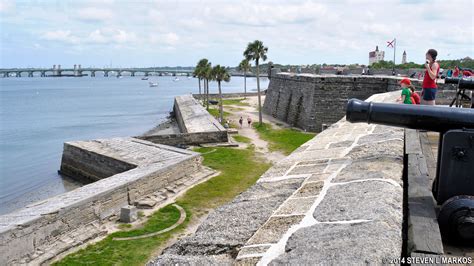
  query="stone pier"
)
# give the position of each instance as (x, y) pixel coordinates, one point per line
(336, 200)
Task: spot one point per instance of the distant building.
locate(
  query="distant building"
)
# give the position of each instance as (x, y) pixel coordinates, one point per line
(376, 56)
(404, 57)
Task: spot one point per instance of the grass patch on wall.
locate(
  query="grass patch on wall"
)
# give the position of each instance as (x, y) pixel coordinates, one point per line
(285, 140)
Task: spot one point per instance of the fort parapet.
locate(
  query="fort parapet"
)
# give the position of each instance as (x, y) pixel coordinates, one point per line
(310, 101)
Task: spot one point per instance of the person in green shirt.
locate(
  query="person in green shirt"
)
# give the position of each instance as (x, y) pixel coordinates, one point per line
(406, 93)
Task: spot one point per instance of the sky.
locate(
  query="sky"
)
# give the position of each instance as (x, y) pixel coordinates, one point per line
(138, 33)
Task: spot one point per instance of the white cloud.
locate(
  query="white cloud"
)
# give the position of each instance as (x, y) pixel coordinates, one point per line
(98, 36)
(61, 36)
(93, 14)
(171, 38)
(253, 13)
(295, 31)
(7, 6)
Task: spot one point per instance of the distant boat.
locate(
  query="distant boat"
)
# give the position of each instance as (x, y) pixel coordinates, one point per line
(145, 78)
(153, 84)
(176, 79)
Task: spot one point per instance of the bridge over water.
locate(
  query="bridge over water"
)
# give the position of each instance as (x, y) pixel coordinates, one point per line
(78, 71)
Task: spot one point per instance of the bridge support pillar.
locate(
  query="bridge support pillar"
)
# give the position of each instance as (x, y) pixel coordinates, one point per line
(92, 73)
(147, 74)
(106, 73)
(43, 74)
(132, 73)
(18, 74)
(30, 74)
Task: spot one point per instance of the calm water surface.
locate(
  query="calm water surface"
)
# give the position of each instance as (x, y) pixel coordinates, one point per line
(37, 115)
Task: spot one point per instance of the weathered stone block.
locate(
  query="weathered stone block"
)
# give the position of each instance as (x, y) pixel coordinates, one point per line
(128, 214)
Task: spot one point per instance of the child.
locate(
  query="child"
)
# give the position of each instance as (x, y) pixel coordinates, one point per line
(415, 98)
(406, 94)
(249, 121)
(241, 121)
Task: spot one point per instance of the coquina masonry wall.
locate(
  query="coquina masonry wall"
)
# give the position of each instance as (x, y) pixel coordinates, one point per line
(308, 101)
(42, 230)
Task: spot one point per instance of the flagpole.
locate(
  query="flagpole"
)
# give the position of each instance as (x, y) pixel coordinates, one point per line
(394, 48)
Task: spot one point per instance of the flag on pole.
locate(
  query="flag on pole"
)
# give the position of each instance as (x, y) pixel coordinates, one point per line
(391, 43)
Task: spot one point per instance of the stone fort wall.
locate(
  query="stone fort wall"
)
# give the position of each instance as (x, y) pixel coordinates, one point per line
(308, 101)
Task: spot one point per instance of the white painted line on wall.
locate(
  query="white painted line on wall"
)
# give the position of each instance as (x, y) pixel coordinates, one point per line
(390, 181)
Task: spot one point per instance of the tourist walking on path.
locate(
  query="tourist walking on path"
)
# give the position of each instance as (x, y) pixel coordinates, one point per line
(249, 121)
(241, 121)
(429, 81)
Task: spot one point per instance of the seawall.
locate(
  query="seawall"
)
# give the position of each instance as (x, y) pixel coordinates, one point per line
(42, 230)
(310, 101)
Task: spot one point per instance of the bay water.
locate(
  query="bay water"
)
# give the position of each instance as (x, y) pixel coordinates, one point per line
(37, 115)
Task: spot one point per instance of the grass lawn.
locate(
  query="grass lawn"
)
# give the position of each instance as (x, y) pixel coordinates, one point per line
(235, 102)
(214, 111)
(285, 140)
(242, 139)
(239, 169)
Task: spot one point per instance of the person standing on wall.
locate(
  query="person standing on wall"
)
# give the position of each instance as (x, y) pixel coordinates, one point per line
(429, 81)
(406, 94)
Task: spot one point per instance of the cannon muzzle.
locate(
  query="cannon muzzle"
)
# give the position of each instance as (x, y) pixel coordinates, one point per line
(432, 118)
(464, 83)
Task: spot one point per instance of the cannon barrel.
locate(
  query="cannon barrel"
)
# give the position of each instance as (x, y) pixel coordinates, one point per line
(464, 83)
(432, 118)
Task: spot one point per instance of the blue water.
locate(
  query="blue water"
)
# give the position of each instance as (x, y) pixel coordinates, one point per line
(37, 115)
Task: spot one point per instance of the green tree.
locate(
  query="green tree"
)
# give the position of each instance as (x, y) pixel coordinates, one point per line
(198, 71)
(245, 66)
(256, 51)
(207, 75)
(220, 74)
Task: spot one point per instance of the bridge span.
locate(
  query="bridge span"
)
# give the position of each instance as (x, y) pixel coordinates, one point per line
(78, 71)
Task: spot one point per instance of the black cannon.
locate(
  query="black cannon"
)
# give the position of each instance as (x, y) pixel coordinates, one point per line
(463, 85)
(453, 187)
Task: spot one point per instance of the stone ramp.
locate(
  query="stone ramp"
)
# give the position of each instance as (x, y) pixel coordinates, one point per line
(192, 117)
(193, 126)
(335, 200)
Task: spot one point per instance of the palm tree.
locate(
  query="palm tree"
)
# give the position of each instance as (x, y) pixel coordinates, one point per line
(198, 71)
(220, 74)
(244, 66)
(256, 51)
(207, 75)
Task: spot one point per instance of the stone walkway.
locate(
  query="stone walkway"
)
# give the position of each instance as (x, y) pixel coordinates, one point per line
(335, 200)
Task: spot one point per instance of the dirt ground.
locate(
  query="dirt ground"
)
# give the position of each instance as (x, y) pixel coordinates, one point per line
(251, 111)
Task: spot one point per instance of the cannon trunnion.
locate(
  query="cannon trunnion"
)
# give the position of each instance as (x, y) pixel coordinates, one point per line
(453, 187)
